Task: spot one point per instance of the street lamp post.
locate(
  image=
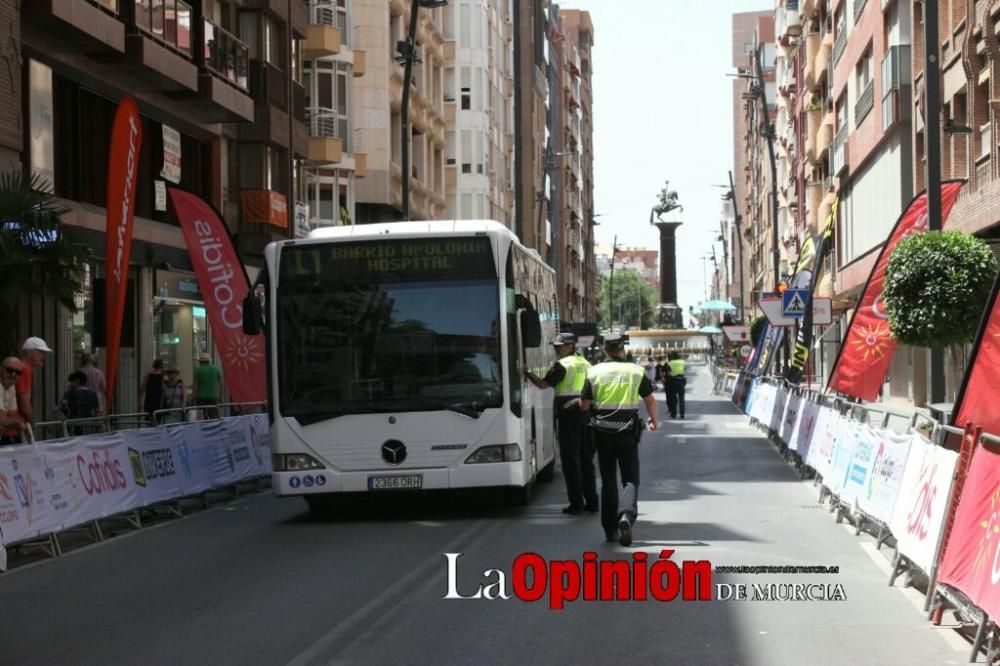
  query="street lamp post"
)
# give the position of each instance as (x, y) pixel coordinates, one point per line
(407, 51)
(739, 238)
(932, 153)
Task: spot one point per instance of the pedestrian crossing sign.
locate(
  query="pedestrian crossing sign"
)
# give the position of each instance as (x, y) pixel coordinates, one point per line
(793, 303)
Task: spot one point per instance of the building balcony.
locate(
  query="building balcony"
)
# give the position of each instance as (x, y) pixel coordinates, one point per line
(360, 62)
(329, 135)
(824, 138)
(224, 81)
(88, 26)
(160, 46)
(813, 42)
(327, 27)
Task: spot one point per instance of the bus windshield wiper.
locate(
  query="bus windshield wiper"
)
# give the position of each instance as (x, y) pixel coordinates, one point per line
(466, 409)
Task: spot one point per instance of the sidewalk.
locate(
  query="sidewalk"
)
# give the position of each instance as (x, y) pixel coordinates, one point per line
(716, 488)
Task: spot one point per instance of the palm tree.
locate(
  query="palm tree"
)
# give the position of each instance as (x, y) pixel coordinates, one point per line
(37, 259)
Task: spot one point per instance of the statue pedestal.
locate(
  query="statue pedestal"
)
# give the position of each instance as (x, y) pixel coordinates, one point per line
(669, 316)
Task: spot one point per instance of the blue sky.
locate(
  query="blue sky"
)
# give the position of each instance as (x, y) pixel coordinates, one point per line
(663, 111)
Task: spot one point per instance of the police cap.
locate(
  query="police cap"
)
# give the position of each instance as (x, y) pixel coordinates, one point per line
(615, 339)
(564, 339)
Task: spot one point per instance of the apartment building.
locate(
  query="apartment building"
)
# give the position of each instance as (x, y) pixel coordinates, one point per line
(531, 138)
(336, 157)
(745, 28)
(479, 109)
(756, 208)
(642, 260)
(576, 223)
(379, 25)
(218, 85)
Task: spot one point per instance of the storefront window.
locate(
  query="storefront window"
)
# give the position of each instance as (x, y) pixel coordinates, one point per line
(180, 323)
(83, 318)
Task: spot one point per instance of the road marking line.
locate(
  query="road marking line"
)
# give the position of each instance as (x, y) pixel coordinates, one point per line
(352, 625)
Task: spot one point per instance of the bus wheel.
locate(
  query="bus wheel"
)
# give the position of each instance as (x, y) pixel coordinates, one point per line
(520, 496)
(548, 473)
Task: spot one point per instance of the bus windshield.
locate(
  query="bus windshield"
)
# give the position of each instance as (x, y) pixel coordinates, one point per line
(367, 336)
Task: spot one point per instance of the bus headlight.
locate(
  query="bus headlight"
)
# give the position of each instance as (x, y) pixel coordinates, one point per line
(294, 462)
(495, 453)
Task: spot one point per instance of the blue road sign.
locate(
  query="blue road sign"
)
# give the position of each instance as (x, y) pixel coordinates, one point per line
(793, 303)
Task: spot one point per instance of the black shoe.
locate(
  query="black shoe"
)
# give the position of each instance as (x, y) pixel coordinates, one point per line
(624, 532)
(572, 510)
(611, 537)
(592, 508)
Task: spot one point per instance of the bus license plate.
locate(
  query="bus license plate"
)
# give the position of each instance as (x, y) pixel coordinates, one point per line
(414, 482)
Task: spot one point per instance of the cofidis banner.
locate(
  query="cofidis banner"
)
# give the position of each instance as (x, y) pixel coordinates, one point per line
(224, 285)
(865, 355)
(123, 170)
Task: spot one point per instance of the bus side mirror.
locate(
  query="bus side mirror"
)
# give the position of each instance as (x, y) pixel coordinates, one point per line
(531, 329)
(253, 315)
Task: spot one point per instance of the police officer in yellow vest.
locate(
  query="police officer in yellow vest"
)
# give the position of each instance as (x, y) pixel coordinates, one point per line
(676, 385)
(613, 392)
(576, 447)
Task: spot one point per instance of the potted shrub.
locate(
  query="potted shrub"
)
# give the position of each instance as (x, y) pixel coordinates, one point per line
(937, 286)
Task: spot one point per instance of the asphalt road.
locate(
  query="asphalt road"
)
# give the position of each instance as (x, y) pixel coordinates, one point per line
(259, 581)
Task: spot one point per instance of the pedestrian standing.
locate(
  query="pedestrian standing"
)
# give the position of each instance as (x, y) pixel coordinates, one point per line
(576, 450)
(151, 391)
(207, 386)
(676, 386)
(33, 353)
(95, 379)
(173, 395)
(613, 391)
(11, 423)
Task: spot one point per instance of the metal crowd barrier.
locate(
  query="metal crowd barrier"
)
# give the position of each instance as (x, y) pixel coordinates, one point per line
(62, 428)
(939, 596)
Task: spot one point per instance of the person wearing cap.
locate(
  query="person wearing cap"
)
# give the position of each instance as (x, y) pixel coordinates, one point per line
(33, 353)
(567, 376)
(207, 384)
(613, 391)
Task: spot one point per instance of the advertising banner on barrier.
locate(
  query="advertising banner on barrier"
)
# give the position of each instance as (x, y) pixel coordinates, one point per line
(751, 396)
(923, 496)
(971, 559)
(843, 453)
(885, 476)
(864, 358)
(791, 417)
(862, 459)
(153, 465)
(805, 428)
(23, 509)
(778, 410)
(824, 441)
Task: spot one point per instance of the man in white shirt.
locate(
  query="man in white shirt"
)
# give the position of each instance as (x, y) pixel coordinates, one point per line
(11, 422)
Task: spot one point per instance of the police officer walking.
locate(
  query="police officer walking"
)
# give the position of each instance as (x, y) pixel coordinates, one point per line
(613, 391)
(576, 448)
(676, 385)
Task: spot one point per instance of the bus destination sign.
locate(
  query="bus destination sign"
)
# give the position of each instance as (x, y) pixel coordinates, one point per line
(390, 260)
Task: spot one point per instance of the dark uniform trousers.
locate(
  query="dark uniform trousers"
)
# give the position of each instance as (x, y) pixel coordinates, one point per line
(576, 450)
(616, 451)
(675, 395)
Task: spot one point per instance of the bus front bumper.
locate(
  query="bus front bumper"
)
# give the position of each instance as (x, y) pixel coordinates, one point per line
(331, 481)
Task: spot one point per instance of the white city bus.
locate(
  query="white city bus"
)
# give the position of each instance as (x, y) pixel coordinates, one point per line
(395, 360)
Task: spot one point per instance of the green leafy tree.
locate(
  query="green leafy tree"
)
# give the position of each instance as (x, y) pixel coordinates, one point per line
(937, 285)
(632, 296)
(37, 259)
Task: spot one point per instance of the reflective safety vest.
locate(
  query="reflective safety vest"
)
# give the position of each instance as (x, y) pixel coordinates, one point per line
(677, 367)
(572, 382)
(615, 386)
